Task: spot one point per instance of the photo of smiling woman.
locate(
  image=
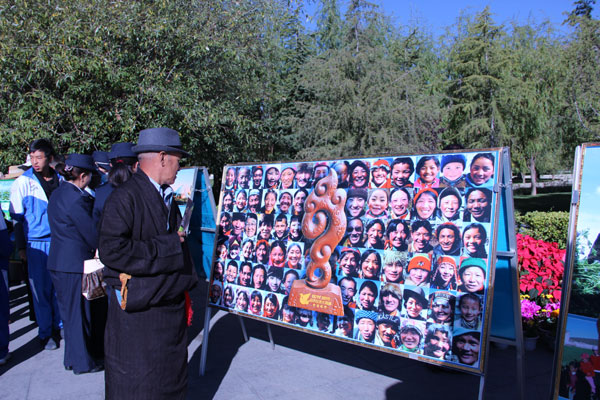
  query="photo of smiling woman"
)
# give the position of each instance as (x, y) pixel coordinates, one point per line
(450, 203)
(445, 275)
(277, 256)
(355, 203)
(474, 239)
(428, 168)
(271, 306)
(272, 175)
(262, 251)
(259, 276)
(269, 202)
(256, 301)
(374, 239)
(479, 205)
(358, 175)
(400, 203)
(348, 262)
(294, 256)
(396, 235)
(227, 203)
(481, 170)
(472, 276)
(242, 301)
(370, 265)
(448, 237)
(425, 205)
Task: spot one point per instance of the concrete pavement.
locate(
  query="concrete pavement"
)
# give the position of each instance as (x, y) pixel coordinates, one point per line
(300, 366)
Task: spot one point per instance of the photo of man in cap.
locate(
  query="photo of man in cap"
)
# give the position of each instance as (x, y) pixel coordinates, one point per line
(387, 328)
(411, 337)
(365, 325)
(441, 308)
(415, 302)
(143, 250)
(466, 346)
(380, 174)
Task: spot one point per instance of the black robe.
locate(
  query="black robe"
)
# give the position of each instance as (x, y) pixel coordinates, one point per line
(145, 344)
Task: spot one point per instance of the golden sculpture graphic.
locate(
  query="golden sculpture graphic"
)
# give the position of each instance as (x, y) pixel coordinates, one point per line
(325, 221)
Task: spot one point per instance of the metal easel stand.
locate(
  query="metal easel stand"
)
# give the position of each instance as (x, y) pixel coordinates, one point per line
(510, 255)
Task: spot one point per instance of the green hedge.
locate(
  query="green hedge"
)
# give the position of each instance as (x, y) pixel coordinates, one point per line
(547, 226)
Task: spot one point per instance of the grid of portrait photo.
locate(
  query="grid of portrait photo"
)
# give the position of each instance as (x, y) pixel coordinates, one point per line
(412, 266)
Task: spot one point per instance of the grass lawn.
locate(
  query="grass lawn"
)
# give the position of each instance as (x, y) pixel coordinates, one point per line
(572, 353)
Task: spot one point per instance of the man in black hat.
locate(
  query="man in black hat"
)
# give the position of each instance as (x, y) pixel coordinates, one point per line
(148, 272)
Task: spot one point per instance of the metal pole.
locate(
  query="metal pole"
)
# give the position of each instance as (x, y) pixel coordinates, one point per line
(204, 353)
(270, 336)
(243, 328)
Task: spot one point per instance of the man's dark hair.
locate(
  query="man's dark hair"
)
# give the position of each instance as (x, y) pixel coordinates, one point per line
(43, 145)
(404, 160)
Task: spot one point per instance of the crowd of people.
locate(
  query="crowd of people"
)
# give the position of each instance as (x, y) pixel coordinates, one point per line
(117, 206)
(412, 266)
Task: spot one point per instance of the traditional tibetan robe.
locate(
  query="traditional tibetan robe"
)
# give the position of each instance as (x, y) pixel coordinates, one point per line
(146, 343)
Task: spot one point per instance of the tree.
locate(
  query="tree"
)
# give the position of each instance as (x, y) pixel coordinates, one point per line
(475, 69)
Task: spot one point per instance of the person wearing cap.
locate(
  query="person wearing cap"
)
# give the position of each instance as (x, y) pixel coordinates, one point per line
(144, 251)
(465, 346)
(441, 309)
(414, 303)
(425, 205)
(365, 325)
(102, 162)
(402, 170)
(410, 338)
(472, 275)
(449, 204)
(28, 208)
(74, 240)
(359, 175)
(123, 163)
(380, 174)
(387, 328)
(274, 277)
(320, 171)
(390, 299)
(393, 266)
(254, 197)
(437, 341)
(419, 268)
(453, 166)
(445, 275)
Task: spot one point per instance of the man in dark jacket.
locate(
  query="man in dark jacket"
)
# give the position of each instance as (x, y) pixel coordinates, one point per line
(148, 271)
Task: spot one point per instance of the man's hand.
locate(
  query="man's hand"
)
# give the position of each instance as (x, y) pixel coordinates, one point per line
(182, 235)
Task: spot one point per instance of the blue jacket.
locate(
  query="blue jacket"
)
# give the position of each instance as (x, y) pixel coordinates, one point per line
(29, 205)
(74, 234)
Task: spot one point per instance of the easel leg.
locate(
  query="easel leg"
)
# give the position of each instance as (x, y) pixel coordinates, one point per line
(270, 336)
(205, 332)
(481, 387)
(243, 328)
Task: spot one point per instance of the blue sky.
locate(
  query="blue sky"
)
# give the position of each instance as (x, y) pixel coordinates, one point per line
(438, 14)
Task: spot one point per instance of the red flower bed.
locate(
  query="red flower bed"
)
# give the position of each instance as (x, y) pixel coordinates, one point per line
(541, 267)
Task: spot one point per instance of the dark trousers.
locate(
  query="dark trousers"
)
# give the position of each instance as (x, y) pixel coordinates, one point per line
(44, 296)
(77, 316)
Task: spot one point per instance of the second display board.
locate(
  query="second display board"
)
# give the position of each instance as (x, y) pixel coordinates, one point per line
(413, 262)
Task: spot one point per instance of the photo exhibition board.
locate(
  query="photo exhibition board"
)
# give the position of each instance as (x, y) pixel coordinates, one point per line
(410, 249)
(577, 354)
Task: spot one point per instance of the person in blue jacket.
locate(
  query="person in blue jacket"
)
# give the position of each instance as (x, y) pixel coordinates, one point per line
(74, 239)
(123, 163)
(29, 196)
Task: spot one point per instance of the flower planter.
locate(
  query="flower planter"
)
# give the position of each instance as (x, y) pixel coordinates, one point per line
(530, 343)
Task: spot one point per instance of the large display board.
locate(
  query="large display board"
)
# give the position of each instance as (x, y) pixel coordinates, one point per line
(414, 266)
(577, 357)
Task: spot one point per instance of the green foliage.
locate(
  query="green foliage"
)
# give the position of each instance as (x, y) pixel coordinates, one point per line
(547, 226)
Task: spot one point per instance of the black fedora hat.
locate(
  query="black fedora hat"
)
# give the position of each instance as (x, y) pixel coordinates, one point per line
(121, 150)
(81, 161)
(159, 139)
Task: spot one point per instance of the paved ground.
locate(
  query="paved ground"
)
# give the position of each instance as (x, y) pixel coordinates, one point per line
(300, 366)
